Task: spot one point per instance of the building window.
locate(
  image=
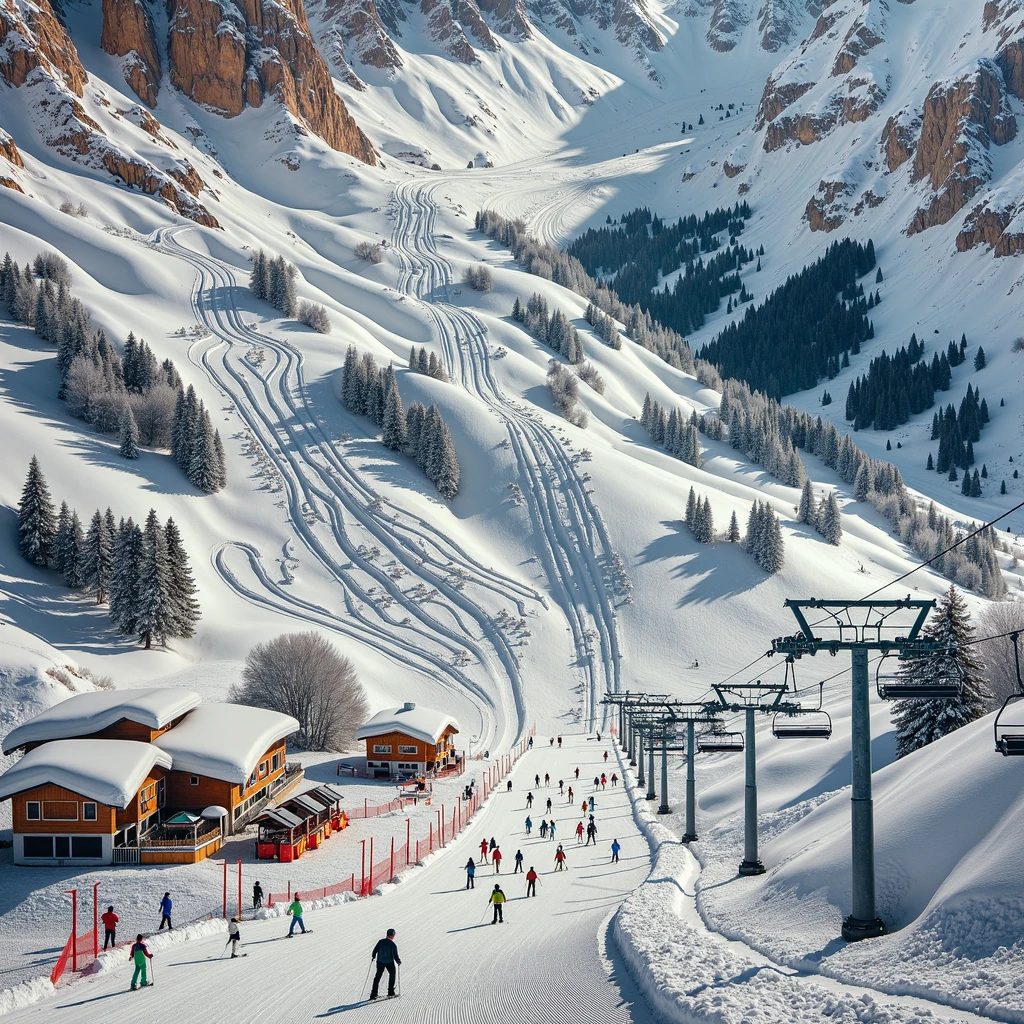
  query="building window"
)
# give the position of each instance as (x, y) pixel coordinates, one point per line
(147, 800)
(60, 810)
(407, 750)
(275, 762)
(88, 813)
(405, 766)
(263, 768)
(382, 748)
(38, 846)
(193, 780)
(87, 847)
(33, 812)
(62, 847)
(161, 792)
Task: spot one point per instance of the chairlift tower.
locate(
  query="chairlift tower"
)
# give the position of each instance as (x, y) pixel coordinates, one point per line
(861, 627)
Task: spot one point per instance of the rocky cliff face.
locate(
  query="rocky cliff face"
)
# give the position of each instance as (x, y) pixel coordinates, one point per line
(961, 119)
(780, 21)
(227, 56)
(128, 32)
(356, 32)
(31, 37)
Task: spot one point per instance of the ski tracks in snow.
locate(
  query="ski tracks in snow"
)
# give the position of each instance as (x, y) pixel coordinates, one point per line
(573, 539)
(339, 518)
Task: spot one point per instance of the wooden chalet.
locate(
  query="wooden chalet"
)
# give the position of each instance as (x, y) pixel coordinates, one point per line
(409, 741)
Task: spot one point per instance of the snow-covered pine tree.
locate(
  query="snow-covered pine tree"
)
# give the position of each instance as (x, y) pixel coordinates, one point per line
(413, 430)
(830, 524)
(350, 380)
(154, 611)
(259, 278)
(220, 466)
(773, 555)
(864, 481)
(203, 471)
(431, 442)
(124, 586)
(181, 589)
(394, 433)
(98, 556)
(36, 521)
(734, 529)
(129, 434)
(447, 478)
(920, 722)
(60, 550)
(691, 508)
(74, 561)
(808, 512)
(645, 412)
(412, 358)
(423, 361)
(755, 531)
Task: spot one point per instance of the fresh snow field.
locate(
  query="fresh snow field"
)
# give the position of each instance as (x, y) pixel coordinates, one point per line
(321, 527)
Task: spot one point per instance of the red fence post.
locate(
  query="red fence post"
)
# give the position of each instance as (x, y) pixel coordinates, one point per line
(408, 830)
(95, 920)
(392, 857)
(362, 880)
(224, 902)
(431, 837)
(239, 888)
(74, 927)
(366, 807)
(443, 823)
(289, 890)
(371, 866)
(458, 804)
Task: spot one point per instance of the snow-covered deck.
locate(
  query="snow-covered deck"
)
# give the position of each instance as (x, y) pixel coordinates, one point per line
(85, 714)
(107, 771)
(224, 741)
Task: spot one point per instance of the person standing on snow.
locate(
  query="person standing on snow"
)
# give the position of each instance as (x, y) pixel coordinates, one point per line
(295, 910)
(386, 955)
(470, 870)
(140, 954)
(529, 825)
(606, 757)
(551, 829)
(493, 845)
(560, 859)
(531, 882)
(509, 789)
(497, 901)
(257, 896)
(529, 800)
(579, 833)
(110, 920)
(559, 742)
(543, 828)
(604, 780)
(597, 782)
(234, 937)
(552, 741)
(583, 807)
(549, 805)
(536, 781)
(483, 850)
(570, 794)
(547, 779)
(615, 780)
(165, 912)
(561, 788)
(577, 775)
(615, 851)
(519, 862)
(593, 804)
(496, 858)
(591, 834)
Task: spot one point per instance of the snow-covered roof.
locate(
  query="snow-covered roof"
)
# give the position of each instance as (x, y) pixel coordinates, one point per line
(418, 723)
(107, 771)
(86, 713)
(224, 741)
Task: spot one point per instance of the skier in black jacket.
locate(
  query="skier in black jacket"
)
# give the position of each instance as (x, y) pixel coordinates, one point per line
(386, 955)
(257, 896)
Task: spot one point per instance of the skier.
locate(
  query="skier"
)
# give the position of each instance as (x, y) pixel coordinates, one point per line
(543, 828)
(497, 899)
(597, 782)
(604, 780)
(551, 829)
(549, 805)
(140, 954)
(519, 862)
(547, 779)
(552, 741)
(615, 851)
(529, 800)
(606, 757)
(386, 955)
(584, 806)
(234, 937)
(509, 789)
(570, 794)
(529, 825)
(530, 744)
(579, 832)
(577, 775)
(615, 780)
(257, 896)
(496, 857)
(493, 845)
(536, 781)
(165, 912)
(110, 920)
(591, 834)
(592, 805)
(470, 870)
(561, 788)
(295, 910)
(560, 859)
(483, 850)
(531, 882)
(559, 742)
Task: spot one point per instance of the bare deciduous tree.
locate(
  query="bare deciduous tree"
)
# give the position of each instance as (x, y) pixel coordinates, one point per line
(154, 415)
(1000, 671)
(314, 315)
(479, 277)
(301, 674)
(369, 251)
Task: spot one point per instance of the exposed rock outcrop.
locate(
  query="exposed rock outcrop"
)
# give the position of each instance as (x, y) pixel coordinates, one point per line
(509, 16)
(780, 21)
(899, 139)
(859, 39)
(357, 33)
(733, 170)
(961, 119)
(31, 37)
(727, 19)
(9, 151)
(823, 212)
(775, 98)
(128, 32)
(856, 102)
(995, 222)
(227, 56)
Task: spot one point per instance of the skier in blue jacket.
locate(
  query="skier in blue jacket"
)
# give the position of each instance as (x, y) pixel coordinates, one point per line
(165, 912)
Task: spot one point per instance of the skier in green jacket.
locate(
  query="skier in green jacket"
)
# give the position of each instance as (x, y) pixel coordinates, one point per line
(140, 954)
(296, 914)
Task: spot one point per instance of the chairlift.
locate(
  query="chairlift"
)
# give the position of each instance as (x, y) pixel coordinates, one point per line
(802, 723)
(1009, 723)
(720, 742)
(892, 686)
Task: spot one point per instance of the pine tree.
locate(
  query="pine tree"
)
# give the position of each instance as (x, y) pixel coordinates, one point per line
(351, 391)
(931, 464)
(220, 466)
(259, 278)
(395, 436)
(831, 527)
(74, 563)
(37, 524)
(203, 471)
(60, 551)
(918, 722)
(707, 523)
(124, 586)
(154, 613)
(98, 556)
(181, 589)
(129, 432)
(691, 507)
(979, 359)
(808, 512)
(447, 465)
(734, 529)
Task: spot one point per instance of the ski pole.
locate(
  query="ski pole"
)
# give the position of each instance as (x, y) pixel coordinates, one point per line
(398, 987)
(152, 972)
(365, 980)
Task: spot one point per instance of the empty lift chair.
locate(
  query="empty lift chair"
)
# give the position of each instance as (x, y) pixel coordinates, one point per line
(719, 741)
(803, 723)
(1009, 723)
(892, 686)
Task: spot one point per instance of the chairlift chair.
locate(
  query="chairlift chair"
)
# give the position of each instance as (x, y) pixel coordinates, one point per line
(1009, 723)
(802, 725)
(891, 686)
(719, 742)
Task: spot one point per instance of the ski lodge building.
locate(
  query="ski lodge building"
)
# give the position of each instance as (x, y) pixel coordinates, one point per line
(409, 741)
(142, 776)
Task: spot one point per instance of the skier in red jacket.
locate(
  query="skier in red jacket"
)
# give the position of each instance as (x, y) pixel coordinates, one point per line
(109, 920)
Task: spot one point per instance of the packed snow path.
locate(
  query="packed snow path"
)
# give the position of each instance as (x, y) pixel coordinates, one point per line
(568, 527)
(546, 964)
(337, 514)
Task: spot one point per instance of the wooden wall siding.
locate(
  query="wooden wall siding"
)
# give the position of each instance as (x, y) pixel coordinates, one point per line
(122, 730)
(132, 814)
(424, 751)
(105, 816)
(182, 795)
